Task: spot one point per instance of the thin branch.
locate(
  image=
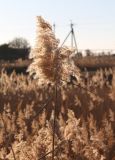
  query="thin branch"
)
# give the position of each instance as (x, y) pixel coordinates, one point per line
(41, 158)
(78, 85)
(40, 110)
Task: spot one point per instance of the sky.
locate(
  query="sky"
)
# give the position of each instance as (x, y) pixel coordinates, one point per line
(94, 20)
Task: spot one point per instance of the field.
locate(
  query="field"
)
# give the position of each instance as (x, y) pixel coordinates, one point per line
(95, 62)
(85, 118)
(64, 109)
(92, 63)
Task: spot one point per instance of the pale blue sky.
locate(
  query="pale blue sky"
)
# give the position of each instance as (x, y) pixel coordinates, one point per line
(94, 19)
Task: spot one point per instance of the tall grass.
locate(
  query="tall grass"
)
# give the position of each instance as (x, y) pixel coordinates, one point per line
(85, 121)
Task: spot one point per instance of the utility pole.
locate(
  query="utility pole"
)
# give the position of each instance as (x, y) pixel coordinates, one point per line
(54, 28)
(72, 32)
(73, 38)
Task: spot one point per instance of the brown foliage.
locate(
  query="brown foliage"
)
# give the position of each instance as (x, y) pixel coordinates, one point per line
(87, 132)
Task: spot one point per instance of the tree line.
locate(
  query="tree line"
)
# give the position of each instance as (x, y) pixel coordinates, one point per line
(18, 48)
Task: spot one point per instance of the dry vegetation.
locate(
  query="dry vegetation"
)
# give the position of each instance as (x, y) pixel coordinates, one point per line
(95, 62)
(85, 125)
(85, 112)
(92, 63)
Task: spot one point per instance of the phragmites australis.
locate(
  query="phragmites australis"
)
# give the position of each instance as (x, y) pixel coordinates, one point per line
(48, 58)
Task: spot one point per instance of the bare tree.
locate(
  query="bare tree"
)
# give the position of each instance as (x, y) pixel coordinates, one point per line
(19, 43)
